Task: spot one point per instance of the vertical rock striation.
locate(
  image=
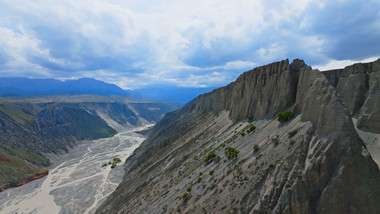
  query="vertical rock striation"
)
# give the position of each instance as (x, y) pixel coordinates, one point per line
(263, 90)
(323, 168)
(358, 87)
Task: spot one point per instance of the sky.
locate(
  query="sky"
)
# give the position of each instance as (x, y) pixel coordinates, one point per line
(188, 43)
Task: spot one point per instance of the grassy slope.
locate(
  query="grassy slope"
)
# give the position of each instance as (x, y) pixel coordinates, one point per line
(16, 170)
(27, 130)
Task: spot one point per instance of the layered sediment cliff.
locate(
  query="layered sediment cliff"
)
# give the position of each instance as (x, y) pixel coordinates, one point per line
(358, 86)
(314, 163)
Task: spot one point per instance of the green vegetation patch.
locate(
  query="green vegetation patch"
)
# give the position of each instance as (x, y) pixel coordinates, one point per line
(16, 114)
(113, 163)
(251, 128)
(116, 160)
(256, 148)
(212, 156)
(16, 170)
(186, 196)
(231, 152)
(285, 116)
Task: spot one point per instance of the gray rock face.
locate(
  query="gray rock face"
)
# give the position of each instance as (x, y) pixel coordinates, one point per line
(317, 102)
(336, 155)
(315, 163)
(358, 85)
(266, 89)
(369, 116)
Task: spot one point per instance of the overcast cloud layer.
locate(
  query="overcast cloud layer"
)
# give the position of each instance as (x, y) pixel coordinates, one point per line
(137, 43)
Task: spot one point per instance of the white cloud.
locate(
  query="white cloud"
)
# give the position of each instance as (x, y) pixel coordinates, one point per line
(134, 43)
(272, 52)
(337, 64)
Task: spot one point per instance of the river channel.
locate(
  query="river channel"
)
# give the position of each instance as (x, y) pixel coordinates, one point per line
(77, 182)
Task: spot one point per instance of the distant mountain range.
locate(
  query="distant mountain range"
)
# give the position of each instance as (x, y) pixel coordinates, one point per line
(170, 93)
(26, 86)
(15, 86)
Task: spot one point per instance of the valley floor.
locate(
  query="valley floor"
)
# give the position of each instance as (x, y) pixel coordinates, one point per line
(77, 182)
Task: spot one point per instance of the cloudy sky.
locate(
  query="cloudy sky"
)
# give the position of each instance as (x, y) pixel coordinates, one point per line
(139, 43)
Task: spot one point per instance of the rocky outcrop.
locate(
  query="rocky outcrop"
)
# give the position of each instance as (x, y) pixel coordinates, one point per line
(24, 181)
(337, 157)
(263, 90)
(33, 177)
(315, 163)
(369, 116)
(358, 87)
(4, 158)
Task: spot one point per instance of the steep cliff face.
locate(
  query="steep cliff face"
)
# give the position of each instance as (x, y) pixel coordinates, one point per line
(314, 163)
(358, 87)
(266, 89)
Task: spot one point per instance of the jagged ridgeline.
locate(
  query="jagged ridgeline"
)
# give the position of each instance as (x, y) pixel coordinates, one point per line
(227, 152)
(32, 129)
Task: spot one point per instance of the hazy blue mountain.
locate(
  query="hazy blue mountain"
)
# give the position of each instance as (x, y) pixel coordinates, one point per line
(13, 86)
(170, 93)
(26, 86)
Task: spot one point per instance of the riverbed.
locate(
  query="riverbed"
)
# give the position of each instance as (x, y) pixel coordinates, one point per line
(78, 182)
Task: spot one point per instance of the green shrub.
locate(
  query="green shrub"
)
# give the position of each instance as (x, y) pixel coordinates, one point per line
(113, 165)
(186, 196)
(250, 117)
(211, 157)
(211, 172)
(256, 147)
(251, 128)
(242, 134)
(285, 116)
(189, 189)
(231, 153)
(116, 160)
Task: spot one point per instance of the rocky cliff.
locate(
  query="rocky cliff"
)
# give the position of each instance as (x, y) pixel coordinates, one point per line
(225, 152)
(358, 86)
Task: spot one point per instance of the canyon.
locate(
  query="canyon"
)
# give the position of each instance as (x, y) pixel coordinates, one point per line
(36, 129)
